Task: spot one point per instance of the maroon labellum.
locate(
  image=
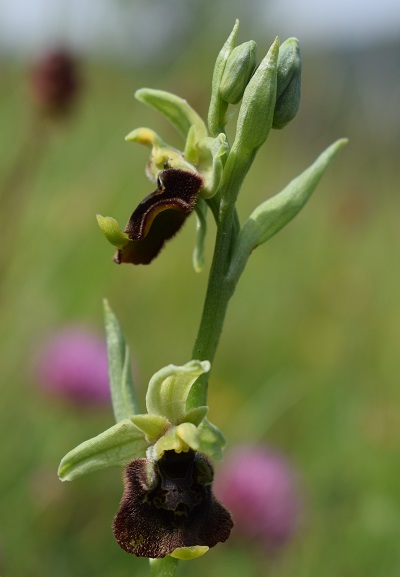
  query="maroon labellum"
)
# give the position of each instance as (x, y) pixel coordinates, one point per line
(160, 215)
(168, 504)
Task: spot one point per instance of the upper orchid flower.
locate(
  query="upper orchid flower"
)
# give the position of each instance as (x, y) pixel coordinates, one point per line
(184, 179)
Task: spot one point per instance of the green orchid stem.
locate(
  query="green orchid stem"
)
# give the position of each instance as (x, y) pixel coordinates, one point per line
(220, 286)
(165, 567)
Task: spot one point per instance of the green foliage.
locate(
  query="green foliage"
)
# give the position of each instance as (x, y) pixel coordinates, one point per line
(323, 356)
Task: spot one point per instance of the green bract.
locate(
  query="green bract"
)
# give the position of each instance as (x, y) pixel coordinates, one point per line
(166, 426)
(276, 212)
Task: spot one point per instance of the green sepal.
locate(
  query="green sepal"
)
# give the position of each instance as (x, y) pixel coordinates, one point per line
(169, 388)
(212, 441)
(201, 232)
(276, 212)
(116, 446)
(110, 228)
(119, 368)
(153, 426)
(218, 107)
(211, 163)
(189, 553)
(196, 415)
(175, 109)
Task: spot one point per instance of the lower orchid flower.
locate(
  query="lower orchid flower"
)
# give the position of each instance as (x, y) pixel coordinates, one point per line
(168, 507)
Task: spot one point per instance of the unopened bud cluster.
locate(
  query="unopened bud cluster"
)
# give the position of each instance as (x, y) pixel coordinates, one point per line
(270, 92)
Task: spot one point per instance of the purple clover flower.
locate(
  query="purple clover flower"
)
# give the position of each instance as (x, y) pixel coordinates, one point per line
(257, 485)
(73, 365)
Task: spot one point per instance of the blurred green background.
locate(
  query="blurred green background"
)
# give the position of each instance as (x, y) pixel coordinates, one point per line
(308, 362)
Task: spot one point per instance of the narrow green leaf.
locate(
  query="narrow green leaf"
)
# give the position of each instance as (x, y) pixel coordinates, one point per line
(276, 212)
(175, 109)
(122, 391)
(117, 446)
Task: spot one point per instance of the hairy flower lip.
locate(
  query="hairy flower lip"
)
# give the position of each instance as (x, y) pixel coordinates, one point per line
(169, 504)
(160, 215)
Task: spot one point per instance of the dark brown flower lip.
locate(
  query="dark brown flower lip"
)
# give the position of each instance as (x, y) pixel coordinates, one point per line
(169, 504)
(160, 215)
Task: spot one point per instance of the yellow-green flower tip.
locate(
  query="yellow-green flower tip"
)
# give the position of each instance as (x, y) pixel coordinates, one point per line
(144, 136)
(112, 232)
(188, 553)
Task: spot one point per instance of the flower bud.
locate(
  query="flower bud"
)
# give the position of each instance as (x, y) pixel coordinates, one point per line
(238, 71)
(257, 108)
(289, 83)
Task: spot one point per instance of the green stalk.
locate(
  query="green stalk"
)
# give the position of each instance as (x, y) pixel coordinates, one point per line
(164, 567)
(220, 286)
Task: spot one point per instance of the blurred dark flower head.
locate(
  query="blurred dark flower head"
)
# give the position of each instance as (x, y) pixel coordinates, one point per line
(169, 504)
(259, 488)
(55, 82)
(72, 364)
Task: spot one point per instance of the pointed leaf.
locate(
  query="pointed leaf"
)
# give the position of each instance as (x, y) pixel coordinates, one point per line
(278, 211)
(122, 392)
(117, 446)
(169, 388)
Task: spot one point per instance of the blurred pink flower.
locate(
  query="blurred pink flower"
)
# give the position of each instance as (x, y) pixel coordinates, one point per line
(73, 365)
(258, 487)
